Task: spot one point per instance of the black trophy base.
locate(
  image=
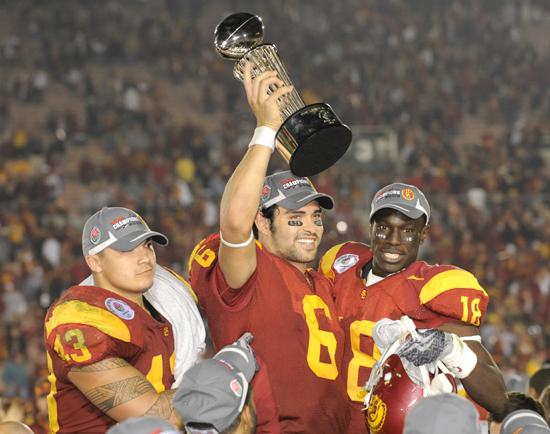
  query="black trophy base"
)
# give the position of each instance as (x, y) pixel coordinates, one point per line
(315, 138)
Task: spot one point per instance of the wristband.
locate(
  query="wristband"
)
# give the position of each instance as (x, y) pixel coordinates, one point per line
(239, 245)
(461, 361)
(263, 136)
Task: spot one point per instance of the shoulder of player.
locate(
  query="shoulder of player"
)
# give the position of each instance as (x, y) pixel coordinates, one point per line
(432, 281)
(343, 257)
(78, 307)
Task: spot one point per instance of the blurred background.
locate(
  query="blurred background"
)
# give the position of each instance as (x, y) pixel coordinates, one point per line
(126, 102)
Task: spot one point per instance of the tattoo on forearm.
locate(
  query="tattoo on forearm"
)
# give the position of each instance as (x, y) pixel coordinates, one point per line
(111, 395)
(103, 365)
(163, 406)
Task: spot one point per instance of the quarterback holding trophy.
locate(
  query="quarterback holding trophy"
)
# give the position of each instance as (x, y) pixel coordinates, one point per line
(311, 138)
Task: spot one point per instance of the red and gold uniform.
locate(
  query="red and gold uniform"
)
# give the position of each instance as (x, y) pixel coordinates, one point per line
(296, 332)
(89, 324)
(430, 295)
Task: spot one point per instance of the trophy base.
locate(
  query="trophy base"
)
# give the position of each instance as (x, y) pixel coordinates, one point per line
(314, 138)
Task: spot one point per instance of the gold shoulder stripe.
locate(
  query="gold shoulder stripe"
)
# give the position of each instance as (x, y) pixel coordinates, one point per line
(446, 281)
(80, 312)
(328, 259)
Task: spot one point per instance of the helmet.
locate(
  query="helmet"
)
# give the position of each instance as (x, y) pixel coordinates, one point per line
(393, 393)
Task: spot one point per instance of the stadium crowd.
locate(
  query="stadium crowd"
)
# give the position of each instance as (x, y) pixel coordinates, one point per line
(128, 104)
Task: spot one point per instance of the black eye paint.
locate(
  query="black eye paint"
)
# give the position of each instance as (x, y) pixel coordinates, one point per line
(295, 223)
(318, 222)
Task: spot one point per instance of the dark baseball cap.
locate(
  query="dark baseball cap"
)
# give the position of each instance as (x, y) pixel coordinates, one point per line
(405, 198)
(214, 392)
(143, 425)
(292, 192)
(528, 420)
(118, 228)
(445, 413)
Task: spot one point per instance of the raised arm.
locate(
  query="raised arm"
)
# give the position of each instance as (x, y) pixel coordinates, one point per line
(241, 197)
(121, 391)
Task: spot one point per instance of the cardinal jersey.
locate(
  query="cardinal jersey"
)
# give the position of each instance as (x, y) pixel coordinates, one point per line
(296, 332)
(430, 295)
(86, 325)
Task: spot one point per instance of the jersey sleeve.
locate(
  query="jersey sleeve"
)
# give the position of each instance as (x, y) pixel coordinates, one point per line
(206, 274)
(454, 293)
(81, 334)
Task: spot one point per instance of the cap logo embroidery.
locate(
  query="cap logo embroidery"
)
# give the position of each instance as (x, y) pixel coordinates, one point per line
(293, 182)
(95, 235)
(265, 192)
(119, 308)
(345, 262)
(407, 194)
(236, 388)
(387, 194)
(121, 222)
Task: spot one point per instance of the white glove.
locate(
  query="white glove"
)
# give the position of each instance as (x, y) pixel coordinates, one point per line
(386, 332)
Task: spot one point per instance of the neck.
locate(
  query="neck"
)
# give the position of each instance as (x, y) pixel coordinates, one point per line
(136, 297)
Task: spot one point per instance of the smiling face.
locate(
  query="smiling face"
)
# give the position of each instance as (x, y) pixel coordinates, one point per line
(395, 239)
(129, 274)
(294, 234)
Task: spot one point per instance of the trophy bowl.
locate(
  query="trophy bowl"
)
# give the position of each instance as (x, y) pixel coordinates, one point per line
(312, 137)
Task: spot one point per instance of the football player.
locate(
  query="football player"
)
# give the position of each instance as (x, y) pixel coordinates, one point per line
(265, 286)
(110, 353)
(386, 280)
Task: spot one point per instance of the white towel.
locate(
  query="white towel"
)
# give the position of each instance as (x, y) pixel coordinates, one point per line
(173, 298)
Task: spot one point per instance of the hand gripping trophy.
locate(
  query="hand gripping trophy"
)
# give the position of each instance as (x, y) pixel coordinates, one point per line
(312, 138)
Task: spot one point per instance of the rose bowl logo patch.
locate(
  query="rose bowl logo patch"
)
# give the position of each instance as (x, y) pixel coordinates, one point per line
(119, 308)
(265, 192)
(95, 235)
(345, 262)
(236, 388)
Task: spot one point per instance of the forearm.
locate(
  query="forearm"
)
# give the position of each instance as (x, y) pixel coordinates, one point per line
(163, 407)
(485, 385)
(241, 196)
(121, 391)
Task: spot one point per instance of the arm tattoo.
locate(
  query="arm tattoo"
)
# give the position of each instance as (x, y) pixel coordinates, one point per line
(109, 396)
(103, 365)
(163, 406)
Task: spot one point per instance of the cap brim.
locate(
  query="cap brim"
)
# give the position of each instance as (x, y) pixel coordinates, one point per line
(412, 213)
(131, 241)
(299, 200)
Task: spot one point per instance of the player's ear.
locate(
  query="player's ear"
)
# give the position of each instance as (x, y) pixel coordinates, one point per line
(94, 263)
(424, 233)
(262, 223)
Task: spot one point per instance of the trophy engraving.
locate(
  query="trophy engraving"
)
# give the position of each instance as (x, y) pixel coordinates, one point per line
(312, 137)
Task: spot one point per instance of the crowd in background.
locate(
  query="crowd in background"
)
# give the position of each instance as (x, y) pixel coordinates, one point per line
(127, 103)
